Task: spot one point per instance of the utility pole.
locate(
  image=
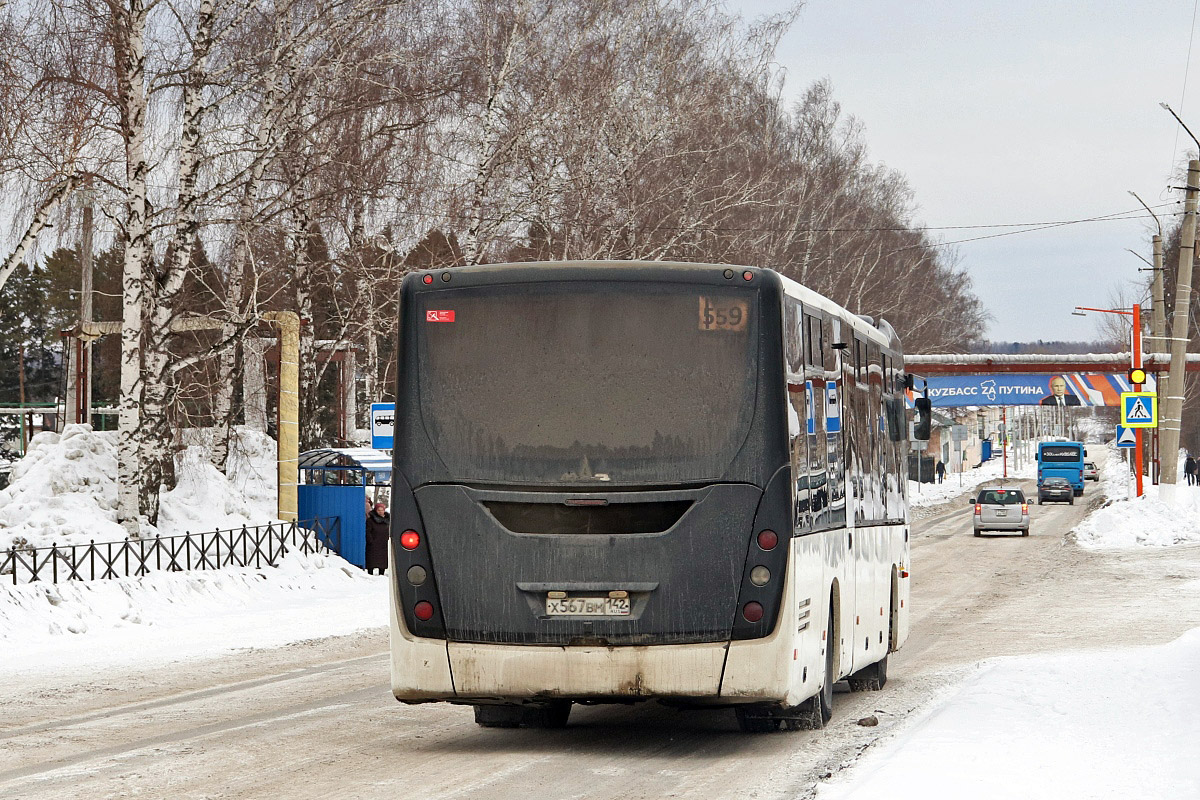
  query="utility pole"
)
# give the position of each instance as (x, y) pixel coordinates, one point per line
(1172, 411)
(1158, 327)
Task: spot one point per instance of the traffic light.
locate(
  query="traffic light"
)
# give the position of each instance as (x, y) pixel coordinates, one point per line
(1137, 375)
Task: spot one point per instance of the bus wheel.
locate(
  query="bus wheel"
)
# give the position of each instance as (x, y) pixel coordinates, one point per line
(488, 716)
(550, 715)
(816, 711)
(756, 719)
(870, 678)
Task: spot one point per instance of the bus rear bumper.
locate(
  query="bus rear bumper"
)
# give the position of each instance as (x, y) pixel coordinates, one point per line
(500, 672)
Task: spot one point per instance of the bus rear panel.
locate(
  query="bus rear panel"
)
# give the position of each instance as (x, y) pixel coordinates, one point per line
(594, 493)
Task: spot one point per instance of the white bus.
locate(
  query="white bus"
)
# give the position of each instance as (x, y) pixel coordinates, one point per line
(621, 481)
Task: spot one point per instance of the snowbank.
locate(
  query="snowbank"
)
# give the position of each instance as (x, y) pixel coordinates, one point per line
(64, 491)
(204, 499)
(1115, 724)
(167, 616)
(1146, 521)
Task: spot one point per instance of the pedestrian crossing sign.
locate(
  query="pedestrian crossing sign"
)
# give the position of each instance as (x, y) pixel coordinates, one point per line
(1139, 409)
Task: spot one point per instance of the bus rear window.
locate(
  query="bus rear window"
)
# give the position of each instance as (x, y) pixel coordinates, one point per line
(603, 383)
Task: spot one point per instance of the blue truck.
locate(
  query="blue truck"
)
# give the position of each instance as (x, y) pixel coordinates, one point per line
(1062, 460)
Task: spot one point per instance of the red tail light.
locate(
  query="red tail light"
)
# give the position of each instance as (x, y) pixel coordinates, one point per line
(752, 611)
(1024, 508)
(767, 539)
(978, 508)
(410, 540)
(423, 610)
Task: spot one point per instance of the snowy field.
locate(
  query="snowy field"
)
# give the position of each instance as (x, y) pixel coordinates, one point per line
(1115, 724)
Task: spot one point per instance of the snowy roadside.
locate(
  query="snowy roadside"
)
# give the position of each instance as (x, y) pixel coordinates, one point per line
(78, 626)
(64, 492)
(1115, 723)
(924, 497)
(1086, 725)
(1129, 521)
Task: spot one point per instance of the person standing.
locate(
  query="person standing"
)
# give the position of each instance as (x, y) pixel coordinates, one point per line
(1189, 470)
(379, 530)
(941, 471)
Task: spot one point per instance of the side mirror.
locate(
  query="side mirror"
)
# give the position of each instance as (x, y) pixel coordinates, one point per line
(924, 422)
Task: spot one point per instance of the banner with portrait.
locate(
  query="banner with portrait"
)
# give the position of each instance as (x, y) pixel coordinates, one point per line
(1063, 390)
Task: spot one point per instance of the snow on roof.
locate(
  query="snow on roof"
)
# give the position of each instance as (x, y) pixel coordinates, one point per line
(1038, 358)
(365, 457)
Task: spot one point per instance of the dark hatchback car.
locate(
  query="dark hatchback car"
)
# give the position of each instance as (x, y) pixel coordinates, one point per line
(1057, 489)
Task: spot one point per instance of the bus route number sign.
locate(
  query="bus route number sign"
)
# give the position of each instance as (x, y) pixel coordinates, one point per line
(723, 314)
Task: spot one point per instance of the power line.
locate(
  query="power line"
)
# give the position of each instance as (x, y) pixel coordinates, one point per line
(1187, 67)
(1123, 215)
(1116, 216)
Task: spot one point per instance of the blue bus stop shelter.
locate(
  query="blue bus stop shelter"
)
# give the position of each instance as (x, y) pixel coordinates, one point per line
(344, 483)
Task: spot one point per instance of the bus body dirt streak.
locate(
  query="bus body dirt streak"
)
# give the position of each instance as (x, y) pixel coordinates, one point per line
(621, 481)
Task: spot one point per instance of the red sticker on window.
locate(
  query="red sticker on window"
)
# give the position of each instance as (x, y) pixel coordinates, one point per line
(439, 316)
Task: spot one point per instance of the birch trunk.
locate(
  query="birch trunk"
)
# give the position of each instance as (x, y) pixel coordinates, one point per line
(227, 369)
(157, 452)
(130, 59)
(310, 430)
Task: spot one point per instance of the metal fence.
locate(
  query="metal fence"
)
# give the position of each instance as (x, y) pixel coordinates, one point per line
(258, 546)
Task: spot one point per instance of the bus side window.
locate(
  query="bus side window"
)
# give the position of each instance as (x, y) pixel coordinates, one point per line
(793, 348)
(833, 441)
(793, 336)
(812, 350)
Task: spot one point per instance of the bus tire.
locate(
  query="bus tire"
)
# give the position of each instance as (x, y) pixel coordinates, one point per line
(489, 716)
(870, 678)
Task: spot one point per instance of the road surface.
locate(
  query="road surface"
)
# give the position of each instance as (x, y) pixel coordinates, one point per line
(316, 719)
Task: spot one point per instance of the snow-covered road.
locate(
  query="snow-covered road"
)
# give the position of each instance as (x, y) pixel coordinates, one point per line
(316, 719)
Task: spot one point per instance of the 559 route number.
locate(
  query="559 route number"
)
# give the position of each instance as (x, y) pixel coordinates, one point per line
(723, 314)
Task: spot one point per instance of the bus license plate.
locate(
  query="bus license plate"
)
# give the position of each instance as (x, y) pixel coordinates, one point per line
(587, 606)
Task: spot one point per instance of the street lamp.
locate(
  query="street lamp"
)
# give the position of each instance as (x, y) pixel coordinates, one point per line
(1136, 364)
(1181, 122)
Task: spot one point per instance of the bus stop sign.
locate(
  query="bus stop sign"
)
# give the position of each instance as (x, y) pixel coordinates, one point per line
(383, 425)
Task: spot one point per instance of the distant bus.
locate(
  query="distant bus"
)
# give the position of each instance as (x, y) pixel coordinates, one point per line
(1062, 460)
(622, 481)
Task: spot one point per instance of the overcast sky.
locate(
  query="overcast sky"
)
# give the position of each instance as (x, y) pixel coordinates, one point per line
(1015, 112)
